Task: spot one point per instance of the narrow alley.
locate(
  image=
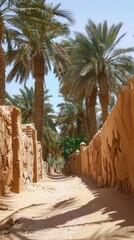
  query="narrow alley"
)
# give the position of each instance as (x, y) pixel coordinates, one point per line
(66, 208)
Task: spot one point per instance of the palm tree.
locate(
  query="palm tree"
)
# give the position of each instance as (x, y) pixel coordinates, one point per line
(111, 63)
(10, 11)
(49, 129)
(96, 65)
(4, 9)
(40, 52)
(112, 101)
(74, 81)
(24, 101)
(71, 118)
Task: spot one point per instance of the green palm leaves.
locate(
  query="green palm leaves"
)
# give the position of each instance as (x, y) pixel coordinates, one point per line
(71, 119)
(33, 49)
(25, 102)
(96, 66)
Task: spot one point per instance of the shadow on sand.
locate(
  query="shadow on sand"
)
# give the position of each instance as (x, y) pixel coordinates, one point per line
(119, 208)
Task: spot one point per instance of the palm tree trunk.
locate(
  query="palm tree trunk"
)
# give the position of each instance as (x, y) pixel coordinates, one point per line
(38, 64)
(91, 114)
(79, 124)
(2, 66)
(104, 100)
(104, 95)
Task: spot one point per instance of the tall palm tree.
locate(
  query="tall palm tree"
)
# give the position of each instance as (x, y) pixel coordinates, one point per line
(10, 11)
(112, 101)
(111, 63)
(4, 10)
(74, 81)
(96, 65)
(41, 52)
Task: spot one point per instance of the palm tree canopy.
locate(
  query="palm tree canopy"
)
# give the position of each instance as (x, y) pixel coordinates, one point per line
(35, 31)
(95, 66)
(107, 57)
(25, 101)
(71, 114)
(93, 54)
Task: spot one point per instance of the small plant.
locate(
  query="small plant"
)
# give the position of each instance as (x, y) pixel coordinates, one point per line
(59, 164)
(51, 160)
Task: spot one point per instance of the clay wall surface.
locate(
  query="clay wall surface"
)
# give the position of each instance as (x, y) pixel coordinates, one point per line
(109, 158)
(39, 162)
(6, 153)
(19, 152)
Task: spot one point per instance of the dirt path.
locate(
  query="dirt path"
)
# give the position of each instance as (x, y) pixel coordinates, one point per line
(68, 208)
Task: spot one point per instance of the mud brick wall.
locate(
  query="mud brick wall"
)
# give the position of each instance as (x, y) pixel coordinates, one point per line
(109, 158)
(20, 153)
(33, 154)
(6, 154)
(39, 162)
(28, 152)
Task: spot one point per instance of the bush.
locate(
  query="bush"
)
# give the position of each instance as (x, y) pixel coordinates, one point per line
(51, 160)
(70, 145)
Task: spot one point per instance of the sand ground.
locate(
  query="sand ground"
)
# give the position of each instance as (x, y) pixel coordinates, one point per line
(66, 208)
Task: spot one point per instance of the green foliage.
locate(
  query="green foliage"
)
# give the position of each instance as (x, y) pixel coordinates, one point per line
(51, 160)
(24, 101)
(71, 119)
(59, 164)
(56, 162)
(70, 145)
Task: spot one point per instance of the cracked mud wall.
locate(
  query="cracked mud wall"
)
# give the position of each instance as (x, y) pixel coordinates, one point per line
(19, 152)
(109, 158)
(6, 154)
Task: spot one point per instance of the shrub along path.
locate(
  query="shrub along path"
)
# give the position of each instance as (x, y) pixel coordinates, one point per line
(66, 208)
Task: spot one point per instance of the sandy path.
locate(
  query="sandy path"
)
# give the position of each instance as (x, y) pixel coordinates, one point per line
(70, 208)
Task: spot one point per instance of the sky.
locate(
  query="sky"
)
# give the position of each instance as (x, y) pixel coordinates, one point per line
(114, 11)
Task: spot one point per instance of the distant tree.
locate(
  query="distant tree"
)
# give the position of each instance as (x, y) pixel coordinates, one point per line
(71, 119)
(69, 145)
(24, 101)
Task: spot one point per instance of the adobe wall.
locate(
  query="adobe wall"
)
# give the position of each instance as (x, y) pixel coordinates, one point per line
(6, 153)
(109, 158)
(20, 153)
